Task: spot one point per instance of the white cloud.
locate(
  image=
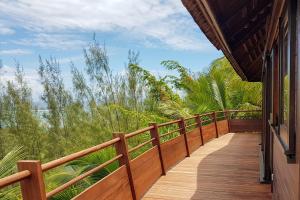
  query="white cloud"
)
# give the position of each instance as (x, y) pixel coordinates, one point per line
(56, 41)
(147, 20)
(15, 52)
(5, 30)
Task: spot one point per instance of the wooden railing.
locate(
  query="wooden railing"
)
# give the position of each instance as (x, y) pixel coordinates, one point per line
(170, 143)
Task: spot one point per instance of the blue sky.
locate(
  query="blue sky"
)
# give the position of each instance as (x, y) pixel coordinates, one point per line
(158, 29)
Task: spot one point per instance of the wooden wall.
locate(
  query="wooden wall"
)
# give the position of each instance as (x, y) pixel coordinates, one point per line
(114, 186)
(222, 127)
(194, 139)
(146, 170)
(173, 151)
(242, 125)
(286, 176)
(209, 132)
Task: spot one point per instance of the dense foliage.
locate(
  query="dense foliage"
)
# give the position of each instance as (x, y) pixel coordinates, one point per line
(101, 103)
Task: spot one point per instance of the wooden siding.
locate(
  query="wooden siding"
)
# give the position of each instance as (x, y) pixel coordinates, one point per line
(114, 186)
(226, 168)
(286, 176)
(209, 132)
(173, 151)
(194, 139)
(146, 169)
(242, 125)
(222, 127)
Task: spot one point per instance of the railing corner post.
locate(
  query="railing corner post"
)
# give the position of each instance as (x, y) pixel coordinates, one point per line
(156, 142)
(33, 187)
(122, 148)
(199, 122)
(183, 132)
(216, 125)
(227, 116)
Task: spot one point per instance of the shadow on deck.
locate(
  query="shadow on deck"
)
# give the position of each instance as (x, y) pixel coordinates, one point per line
(225, 168)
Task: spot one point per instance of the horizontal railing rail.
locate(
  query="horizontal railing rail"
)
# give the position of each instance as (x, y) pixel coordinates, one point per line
(161, 137)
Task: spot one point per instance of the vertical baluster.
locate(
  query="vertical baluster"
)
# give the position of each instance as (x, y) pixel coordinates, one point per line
(155, 134)
(121, 148)
(216, 125)
(181, 125)
(199, 122)
(33, 188)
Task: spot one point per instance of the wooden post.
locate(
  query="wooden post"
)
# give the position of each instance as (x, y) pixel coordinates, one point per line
(199, 122)
(216, 125)
(121, 148)
(33, 187)
(155, 134)
(228, 118)
(181, 125)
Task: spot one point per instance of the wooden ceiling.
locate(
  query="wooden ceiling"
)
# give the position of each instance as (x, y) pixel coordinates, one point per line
(238, 28)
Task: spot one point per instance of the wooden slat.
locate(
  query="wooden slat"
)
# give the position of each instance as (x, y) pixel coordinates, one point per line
(222, 127)
(14, 178)
(194, 139)
(146, 169)
(286, 176)
(226, 168)
(79, 154)
(209, 132)
(173, 151)
(114, 186)
(242, 125)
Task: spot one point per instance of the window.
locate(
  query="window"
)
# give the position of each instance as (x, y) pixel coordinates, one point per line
(287, 67)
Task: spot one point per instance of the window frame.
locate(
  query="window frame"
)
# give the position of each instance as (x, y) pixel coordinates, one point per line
(288, 130)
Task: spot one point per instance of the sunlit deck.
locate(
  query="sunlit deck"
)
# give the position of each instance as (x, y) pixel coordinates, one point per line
(225, 168)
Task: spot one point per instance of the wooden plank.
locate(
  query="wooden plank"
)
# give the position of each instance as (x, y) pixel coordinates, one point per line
(209, 132)
(33, 187)
(286, 176)
(114, 186)
(146, 169)
(222, 127)
(226, 168)
(173, 151)
(242, 125)
(194, 139)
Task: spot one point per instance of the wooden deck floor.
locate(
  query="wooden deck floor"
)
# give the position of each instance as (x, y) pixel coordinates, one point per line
(226, 168)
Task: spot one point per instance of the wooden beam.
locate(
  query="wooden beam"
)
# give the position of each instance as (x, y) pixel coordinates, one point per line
(272, 26)
(210, 18)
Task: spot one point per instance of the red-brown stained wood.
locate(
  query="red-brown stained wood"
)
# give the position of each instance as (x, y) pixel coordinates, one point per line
(222, 127)
(242, 125)
(286, 176)
(194, 139)
(33, 187)
(226, 168)
(173, 151)
(209, 132)
(146, 170)
(114, 186)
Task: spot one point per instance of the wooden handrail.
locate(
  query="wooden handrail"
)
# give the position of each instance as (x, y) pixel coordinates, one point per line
(14, 178)
(192, 117)
(82, 176)
(140, 145)
(194, 124)
(132, 134)
(63, 160)
(170, 132)
(168, 123)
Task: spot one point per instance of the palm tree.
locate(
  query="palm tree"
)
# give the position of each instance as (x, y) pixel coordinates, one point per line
(8, 167)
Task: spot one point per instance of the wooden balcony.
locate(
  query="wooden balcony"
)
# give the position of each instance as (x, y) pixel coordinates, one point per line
(226, 168)
(194, 158)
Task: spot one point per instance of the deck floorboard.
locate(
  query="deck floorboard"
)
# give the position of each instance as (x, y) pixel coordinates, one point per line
(226, 168)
